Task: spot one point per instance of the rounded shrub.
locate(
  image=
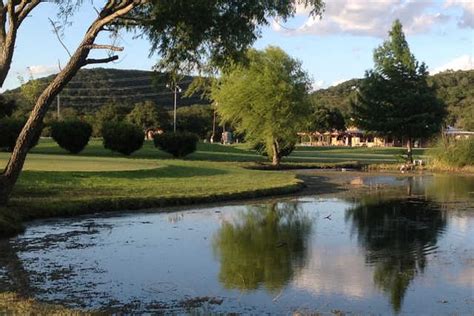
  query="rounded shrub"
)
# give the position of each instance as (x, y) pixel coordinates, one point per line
(178, 144)
(72, 135)
(122, 137)
(10, 128)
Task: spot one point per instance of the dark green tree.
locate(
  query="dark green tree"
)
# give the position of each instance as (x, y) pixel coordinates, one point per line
(265, 99)
(108, 113)
(148, 115)
(197, 119)
(395, 99)
(324, 119)
(7, 107)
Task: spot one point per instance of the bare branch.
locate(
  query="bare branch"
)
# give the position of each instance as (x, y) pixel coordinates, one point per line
(56, 31)
(109, 47)
(100, 60)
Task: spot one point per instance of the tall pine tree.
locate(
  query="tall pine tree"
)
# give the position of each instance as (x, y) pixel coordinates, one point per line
(395, 99)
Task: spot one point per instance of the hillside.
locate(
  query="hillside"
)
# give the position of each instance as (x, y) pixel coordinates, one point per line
(92, 88)
(455, 88)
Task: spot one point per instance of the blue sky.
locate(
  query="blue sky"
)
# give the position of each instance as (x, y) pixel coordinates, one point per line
(336, 48)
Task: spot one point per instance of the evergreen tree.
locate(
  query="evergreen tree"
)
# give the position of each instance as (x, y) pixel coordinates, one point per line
(395, 99)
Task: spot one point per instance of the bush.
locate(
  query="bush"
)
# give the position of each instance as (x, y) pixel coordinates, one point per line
(10, 128)
(122, 137)
(72, 135)
(454, 153)
(178, 144)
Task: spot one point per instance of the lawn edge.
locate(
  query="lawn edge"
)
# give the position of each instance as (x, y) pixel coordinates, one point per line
(13, 218)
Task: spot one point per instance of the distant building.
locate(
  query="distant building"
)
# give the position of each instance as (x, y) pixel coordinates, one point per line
(457, 133)
(352, 137)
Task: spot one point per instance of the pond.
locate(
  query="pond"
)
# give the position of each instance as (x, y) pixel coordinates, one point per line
(399, 245)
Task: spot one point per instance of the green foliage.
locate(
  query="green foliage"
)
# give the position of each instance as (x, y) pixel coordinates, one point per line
(265, 99)
(453, 153)
(116, 86)
(195, 119)
(395, 99)
(72, 135)
(7, 107)
(456, 89)
(178, 144)
(262, 247)
(186, 33)
(148, 115)
(325, 119)
(109, 113)
(122, 137)
(10, 128)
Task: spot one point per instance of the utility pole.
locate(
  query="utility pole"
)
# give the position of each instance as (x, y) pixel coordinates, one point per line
(176, 90)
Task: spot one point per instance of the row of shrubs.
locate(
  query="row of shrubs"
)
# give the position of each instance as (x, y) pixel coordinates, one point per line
(124, 138)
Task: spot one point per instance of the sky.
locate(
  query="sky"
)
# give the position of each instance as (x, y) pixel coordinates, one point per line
(335, 48)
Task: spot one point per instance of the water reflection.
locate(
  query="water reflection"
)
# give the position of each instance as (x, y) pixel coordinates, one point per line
(397, 236)
(265, 245)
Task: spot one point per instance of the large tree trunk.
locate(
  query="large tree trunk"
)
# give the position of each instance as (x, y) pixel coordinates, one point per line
(409, 150)
(34, 123)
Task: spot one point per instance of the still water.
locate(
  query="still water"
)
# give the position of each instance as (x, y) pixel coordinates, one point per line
(399, 245)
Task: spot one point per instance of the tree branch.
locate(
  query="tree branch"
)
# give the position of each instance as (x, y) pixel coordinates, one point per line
(109, 47)
(56, 31)
(100, 60)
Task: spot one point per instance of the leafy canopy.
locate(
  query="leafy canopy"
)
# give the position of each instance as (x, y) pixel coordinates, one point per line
(395, 99)
(266, 99)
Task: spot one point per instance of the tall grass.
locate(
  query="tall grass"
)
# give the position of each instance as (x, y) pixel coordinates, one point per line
(452, 153)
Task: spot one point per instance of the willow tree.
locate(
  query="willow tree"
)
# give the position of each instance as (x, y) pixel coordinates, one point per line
(183, 33)
(266, 99)
(394, 99)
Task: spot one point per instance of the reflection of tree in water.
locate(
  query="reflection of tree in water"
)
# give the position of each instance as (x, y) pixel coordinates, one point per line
(262, 247)
(397, 236)
(13, 276)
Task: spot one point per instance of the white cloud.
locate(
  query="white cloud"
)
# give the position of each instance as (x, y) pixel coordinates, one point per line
(370, 18)
(42, 70)
(464, 62)
(467, 7)
(317, 85)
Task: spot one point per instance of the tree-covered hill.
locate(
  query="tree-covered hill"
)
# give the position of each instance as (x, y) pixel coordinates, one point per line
(455, 88)
(92, 88)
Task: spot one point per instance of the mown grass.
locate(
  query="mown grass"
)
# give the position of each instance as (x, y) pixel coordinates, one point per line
(55, 183)
(41, 194)
(242, 153)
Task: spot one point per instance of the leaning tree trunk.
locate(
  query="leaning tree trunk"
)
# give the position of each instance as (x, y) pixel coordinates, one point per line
(409, 150)
(35, 121)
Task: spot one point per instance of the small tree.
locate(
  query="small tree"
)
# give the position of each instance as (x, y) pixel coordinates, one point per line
(266, 99)
(395, 99)
(122, 137)
(324, 119)
(178, 144)
(72, 135)
(108, 113)
(147, 115)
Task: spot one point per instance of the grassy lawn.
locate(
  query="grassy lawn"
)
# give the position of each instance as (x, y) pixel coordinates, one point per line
(241, 153)
(55, 183)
